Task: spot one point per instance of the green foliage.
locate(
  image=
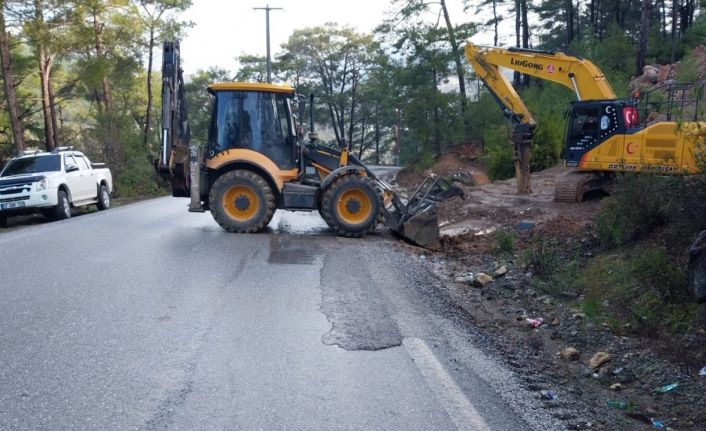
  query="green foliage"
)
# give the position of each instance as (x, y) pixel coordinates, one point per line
(135, 176)
(634, 210)
(543, 257)
(498, 153)
(641, 288)
(614, 54)
(505, 241)
(198, 103)
(688, 69)
(641, 203)
(548, 103)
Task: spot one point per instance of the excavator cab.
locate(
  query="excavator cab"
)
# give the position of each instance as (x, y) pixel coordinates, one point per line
(592, 122)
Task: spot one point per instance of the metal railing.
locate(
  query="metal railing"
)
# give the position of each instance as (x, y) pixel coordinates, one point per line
(672, 101)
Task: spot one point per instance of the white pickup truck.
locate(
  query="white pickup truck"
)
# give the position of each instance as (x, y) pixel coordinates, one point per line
(52, 183)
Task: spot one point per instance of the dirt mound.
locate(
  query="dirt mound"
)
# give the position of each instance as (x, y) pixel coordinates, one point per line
(460, 162)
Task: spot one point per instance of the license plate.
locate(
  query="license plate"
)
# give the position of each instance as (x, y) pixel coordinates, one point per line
(10, 205)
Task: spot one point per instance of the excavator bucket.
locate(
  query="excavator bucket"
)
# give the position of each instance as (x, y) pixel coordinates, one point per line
(416, 219)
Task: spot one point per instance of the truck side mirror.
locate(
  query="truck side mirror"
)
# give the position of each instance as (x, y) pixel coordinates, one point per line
(71, 168)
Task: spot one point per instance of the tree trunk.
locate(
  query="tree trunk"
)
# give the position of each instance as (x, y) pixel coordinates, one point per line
(495, 23)
(362, 140)
(100, 54)
(54, 119)
(44, 62)
(377, 136)
(44, 71)
(578, 20)
(642, 42)
(675, 7)
(516, 77)
(569, 21)
(437, 128)
(8, 79)
(148, 115)
(525, 38)
(459, 66)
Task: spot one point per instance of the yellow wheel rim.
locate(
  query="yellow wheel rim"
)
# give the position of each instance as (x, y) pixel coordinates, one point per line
(354, 206)
(241, 203)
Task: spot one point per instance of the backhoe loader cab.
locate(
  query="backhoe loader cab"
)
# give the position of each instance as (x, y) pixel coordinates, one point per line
(256, 117)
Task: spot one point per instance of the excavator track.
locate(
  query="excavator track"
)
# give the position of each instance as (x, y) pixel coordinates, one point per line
(572, 187)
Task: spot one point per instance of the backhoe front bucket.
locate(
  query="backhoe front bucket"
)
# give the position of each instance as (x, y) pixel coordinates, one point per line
(416, 220)
(423, 230)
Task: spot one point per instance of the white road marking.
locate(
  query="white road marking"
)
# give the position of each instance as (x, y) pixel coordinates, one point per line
(461, 411)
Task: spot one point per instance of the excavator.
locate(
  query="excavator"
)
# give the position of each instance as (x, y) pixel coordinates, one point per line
(256, 160)
(603, 134)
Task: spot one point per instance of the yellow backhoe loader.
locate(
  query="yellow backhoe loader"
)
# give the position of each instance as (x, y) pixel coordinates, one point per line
(604, 134)
(256, 161)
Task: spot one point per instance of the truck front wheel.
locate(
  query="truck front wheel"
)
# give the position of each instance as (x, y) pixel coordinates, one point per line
(63, 208)
(241, 201)
(103, 202)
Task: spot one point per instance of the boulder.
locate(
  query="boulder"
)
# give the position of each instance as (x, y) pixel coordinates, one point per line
(599, 359)
(570, 354)
(500, 271)
(697, 267)
(481, 280)
(650, 74)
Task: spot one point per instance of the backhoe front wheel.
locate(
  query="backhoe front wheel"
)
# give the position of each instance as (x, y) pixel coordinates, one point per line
(352, 205)
(241, 201)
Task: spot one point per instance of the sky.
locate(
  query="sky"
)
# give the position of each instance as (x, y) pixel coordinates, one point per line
(224, 29)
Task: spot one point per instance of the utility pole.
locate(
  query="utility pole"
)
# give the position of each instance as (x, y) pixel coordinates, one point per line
(267, 10)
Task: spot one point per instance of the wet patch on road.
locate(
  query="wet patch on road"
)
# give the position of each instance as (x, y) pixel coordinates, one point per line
(293, 250)
(355, 307)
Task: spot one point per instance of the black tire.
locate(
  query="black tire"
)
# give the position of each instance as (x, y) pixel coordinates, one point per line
(62, 210)
(3, 221)
(352, 205)
(103, 202)
(241, 201)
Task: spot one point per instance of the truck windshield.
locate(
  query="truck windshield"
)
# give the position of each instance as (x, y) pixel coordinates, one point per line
(32, 165)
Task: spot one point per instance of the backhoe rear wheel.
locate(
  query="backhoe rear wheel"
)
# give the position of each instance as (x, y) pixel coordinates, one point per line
(352, 205)
(241, 201)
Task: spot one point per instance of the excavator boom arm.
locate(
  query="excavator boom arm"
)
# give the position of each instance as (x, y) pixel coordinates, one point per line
(578, 74)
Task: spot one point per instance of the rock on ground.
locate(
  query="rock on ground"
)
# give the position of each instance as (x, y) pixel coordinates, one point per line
(599, 359)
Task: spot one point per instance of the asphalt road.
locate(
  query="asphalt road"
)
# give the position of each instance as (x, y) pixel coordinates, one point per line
(149, 317)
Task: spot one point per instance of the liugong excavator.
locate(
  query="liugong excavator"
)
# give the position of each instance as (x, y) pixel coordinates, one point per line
(256, 161)
(603, 134)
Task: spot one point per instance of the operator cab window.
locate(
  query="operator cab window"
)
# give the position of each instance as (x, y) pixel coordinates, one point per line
(584, 122)
(258, 121)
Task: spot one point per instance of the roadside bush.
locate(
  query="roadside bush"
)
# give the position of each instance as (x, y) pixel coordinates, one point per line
(505, 241)
(498, 153)
(543, 257)
(639, 289)
(126, 156)
(634, 210)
